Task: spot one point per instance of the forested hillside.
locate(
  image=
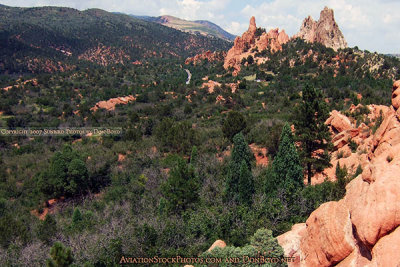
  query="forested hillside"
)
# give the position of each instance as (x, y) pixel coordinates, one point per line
(216, 158)
(49, 39)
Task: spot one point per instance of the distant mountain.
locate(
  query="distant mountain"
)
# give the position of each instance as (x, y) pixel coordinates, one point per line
(203, 27)
(56, 39)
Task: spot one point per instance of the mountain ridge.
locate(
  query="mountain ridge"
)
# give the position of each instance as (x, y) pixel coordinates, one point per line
(204, 27)
(57, 38)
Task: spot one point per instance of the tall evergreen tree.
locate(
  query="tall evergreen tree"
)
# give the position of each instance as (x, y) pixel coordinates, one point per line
(67, 175)
(233, 124)
(286, 165)
(246, 184)
(194, 155)
(60, 256)
(311, 131)
(238, 177)
(47, 229)
(181, 188)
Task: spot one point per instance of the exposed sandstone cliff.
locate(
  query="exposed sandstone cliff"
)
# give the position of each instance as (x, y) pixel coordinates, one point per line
(362, 229)
(249, 42)
(208, 55)
(325, 30)
(111, 103)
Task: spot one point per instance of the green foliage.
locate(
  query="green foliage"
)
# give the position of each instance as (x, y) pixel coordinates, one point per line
(245, 184)
(67, 175)
(286, 165)
(378, 122)
(239, 182)
(80, 33)
(194, 155)
(60, 256)
(47, 229)
(259, 31)
(177, 136)
(76, 218)
(159, 127)
(353, 145)
(359, 171)
(341, 176)
(262, 245)
(311, 131)
(233, 124)
(250, 59)
(181, 188)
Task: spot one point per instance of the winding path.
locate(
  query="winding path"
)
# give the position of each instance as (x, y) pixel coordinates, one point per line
(189, 76)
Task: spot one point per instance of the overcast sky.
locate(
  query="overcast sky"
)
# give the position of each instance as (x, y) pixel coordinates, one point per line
(369, 24)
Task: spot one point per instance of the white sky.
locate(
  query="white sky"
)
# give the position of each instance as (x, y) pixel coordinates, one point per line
(369, 24)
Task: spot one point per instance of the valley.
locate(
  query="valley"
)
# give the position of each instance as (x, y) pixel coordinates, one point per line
(273, 145)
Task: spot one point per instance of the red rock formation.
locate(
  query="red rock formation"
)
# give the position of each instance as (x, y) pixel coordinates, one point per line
(34, 82)
(260, 153)
(208, 55)
(338, 122)
(218, 243)
(211, 86)
(104, 55)
(111, 103)
(243, 46)
(362, 229)
(325, 30)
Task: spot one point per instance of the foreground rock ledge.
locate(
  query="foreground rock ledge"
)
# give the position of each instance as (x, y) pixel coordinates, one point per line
(362, 229)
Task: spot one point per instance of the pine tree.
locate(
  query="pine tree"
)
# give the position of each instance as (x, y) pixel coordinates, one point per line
(67, 175)
(194, 155)
(286, 165)
(60, 256)
(246, 184)
(181, 188)
(237, 174)
(234, 124)
(47, 229)
(77, 218)
(311, 131)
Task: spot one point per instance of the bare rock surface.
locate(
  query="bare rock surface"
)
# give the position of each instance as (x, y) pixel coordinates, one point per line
(324, 31)
(362, 229)
(246, 45)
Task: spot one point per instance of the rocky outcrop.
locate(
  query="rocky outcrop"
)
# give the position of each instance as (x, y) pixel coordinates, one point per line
(362, 229)
(105, 55)
(208, 55)
(111, 103)
(20, 83)
(324, 31)
(344, 132)
(260, 154)
(218, 243)
(396, 95)
(338, 122)
(210, 85)
(249, 43)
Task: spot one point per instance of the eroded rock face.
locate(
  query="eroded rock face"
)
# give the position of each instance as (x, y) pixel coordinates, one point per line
(218, 243)
(246, 45)
(338, 122)
(396, 95)
(325, 30)
(208, 55)
(362, 229)
(328, 238)
(111, 103)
